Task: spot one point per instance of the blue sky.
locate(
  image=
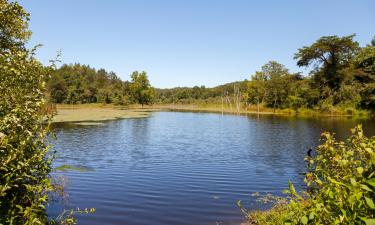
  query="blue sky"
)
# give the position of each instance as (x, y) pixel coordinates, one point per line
(187, 43)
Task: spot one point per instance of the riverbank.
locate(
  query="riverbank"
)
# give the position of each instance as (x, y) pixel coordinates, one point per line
(102, 112)
(95, 113)
(218, 108)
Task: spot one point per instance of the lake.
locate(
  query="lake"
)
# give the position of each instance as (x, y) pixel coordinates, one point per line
(184, 168)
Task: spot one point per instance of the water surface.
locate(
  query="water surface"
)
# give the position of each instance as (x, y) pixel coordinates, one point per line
(185, 168)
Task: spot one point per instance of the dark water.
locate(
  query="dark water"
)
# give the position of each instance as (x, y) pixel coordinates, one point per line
(185, 168)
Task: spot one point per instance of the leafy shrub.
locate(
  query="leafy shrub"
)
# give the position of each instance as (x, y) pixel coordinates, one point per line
(25, 163)
(341, 186)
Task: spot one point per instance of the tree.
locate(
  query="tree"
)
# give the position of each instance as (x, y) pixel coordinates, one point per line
(329, 54)
(141, 89)
(277, 83)
(14, 30)
(57, 89)
(365, 60)
(256, 89)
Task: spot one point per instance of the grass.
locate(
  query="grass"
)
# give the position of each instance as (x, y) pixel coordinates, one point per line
(252, 109)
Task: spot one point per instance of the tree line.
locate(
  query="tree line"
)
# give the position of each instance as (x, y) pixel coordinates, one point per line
(76, 83)
(342, 75)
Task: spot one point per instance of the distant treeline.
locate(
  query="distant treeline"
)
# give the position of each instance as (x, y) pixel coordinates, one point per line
(196, 94)
(342, 76)
(76, 83)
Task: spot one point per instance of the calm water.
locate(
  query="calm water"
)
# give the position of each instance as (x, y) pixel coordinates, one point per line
(184, 168)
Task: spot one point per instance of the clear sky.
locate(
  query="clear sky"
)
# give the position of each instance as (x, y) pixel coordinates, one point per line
(195, 42)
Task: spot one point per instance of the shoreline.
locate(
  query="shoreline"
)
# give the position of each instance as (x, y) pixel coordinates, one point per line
(264, 111)
(104, 112)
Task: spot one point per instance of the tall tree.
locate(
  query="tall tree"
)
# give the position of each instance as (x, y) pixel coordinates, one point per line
(277, 83)
(57, 89)
(256, 89)
(141, 89)
(365, 62)
(329, 54)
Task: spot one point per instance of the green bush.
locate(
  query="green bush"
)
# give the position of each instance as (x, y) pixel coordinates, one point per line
(341, 186)
(25, 163)
(24, 159)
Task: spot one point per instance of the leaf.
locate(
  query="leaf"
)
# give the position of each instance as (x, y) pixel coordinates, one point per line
(371, 182)
(370, 203)
(304, 220)
(291, 188)
(365, 187)
(369, 221)
(311, 216)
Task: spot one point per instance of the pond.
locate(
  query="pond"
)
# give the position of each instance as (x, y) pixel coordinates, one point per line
(184, 168)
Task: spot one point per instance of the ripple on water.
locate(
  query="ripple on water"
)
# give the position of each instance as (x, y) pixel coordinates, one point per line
(184, 168)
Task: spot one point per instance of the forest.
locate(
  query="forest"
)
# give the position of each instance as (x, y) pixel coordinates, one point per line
(342, 77)
(78, 84)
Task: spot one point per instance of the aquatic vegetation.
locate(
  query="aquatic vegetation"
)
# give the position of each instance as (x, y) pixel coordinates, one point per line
(92, 115)
(73, 168)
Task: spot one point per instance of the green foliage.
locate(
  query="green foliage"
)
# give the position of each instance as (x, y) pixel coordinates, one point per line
(329, 55)
(198, 94)
(68, 217)
(24, 159)
(140, 87)
(368, 96)
(341, 186)
(13, 27)
(277, 82)
(342, 79)
(25, 165)
(365, 60)
(78, 83)
(82, 84)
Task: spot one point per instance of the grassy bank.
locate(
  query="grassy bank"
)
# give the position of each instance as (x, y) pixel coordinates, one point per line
(253, 109)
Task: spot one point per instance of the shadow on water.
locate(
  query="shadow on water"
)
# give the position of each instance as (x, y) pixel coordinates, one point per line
(186, 168)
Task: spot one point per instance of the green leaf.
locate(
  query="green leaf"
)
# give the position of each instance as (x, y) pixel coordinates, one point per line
(291, 188)
(371, 182)
(370, 203)
(304, 220)
(369, 221)
(365, 187)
